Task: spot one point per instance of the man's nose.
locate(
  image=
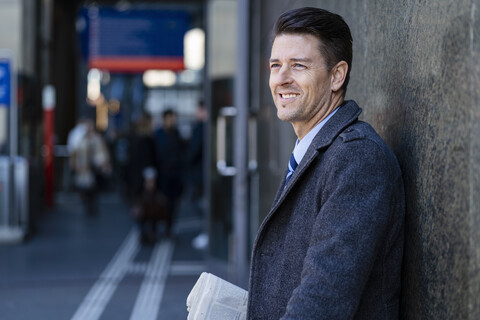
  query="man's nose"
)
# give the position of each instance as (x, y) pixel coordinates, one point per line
(282, 76)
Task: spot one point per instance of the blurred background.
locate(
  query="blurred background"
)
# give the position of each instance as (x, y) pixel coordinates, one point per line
(95, 94)
(104, 73)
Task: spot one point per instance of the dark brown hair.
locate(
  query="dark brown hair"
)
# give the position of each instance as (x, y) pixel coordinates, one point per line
(330, 28)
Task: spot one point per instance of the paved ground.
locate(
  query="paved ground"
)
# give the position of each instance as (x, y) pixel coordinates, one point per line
(80, 267)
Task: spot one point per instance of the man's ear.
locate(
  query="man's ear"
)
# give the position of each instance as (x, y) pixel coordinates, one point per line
(339, 73)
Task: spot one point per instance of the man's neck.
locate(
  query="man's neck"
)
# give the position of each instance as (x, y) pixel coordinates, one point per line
(304, 129)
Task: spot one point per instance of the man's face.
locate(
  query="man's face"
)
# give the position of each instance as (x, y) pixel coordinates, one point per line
(299, 80)
(169, 121)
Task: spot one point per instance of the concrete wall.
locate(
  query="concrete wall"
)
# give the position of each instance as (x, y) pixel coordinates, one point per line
(416, 74)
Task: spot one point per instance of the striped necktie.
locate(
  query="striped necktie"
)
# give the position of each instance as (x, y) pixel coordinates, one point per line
(292, 165)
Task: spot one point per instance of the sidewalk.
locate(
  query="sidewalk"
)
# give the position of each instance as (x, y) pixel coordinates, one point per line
(80, 267)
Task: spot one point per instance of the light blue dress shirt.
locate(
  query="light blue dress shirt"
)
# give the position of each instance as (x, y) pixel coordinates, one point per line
(301, 146)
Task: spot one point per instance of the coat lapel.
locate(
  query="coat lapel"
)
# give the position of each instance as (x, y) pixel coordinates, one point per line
(345, 116)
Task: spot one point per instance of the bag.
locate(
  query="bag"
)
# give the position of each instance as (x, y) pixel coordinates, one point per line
(153, 206)
(85, 180)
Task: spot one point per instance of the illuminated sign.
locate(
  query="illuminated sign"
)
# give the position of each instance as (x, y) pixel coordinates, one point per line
(134, 40)
(5, 83)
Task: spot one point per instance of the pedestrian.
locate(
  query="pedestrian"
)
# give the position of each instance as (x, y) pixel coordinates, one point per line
(152, 207)
(331, 246)
(76, 134)
(90, 163)
(142, 154)
(196, 170)
(171, 163)
(196, 155)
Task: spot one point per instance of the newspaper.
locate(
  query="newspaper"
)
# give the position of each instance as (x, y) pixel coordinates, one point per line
(213, 298)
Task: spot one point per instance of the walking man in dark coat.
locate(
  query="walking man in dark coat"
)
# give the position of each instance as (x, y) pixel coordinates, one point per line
(331, 247)
(171, 154)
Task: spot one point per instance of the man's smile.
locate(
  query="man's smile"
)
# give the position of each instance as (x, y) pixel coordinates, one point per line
(288, 95)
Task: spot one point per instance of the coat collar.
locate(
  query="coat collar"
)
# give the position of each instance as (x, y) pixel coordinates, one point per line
(345, 116)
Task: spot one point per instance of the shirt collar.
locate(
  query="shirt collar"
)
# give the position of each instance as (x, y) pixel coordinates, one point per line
(301, 146)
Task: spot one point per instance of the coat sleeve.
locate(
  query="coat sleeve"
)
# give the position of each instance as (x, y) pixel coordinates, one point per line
(348, 236)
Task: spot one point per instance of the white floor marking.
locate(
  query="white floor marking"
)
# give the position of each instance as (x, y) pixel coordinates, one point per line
(151, 292)
(155, 273)
(189, 224)
(186, 268)
(102, 291)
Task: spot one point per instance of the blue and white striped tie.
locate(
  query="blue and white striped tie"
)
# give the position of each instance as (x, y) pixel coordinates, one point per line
(292, 165)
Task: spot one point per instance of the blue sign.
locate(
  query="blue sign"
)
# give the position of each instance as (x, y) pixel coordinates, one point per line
(5, 84)
(133, 40)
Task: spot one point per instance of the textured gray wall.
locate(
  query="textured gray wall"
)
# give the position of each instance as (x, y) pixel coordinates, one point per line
(416, 74)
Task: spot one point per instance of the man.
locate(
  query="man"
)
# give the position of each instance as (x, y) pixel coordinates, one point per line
(170, 152)
(331, 246)
(196, 169)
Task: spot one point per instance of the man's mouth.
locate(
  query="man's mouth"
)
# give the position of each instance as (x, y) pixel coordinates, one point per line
(288, 95)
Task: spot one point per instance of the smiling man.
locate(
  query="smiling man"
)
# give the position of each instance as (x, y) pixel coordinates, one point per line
(331, 246)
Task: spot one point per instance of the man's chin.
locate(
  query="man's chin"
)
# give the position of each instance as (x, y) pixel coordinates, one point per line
(284, 116)
(285, 111)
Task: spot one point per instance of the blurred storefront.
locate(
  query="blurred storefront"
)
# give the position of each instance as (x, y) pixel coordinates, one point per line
(106, 60)
(114, 60)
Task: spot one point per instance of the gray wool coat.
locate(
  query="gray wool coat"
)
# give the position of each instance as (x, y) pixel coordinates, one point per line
(331, 246)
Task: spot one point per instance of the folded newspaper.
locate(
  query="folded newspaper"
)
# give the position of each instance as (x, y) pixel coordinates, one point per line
(213, 298)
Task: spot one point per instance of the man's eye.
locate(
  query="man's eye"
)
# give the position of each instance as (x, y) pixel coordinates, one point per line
(274, 66)
(298, 66)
